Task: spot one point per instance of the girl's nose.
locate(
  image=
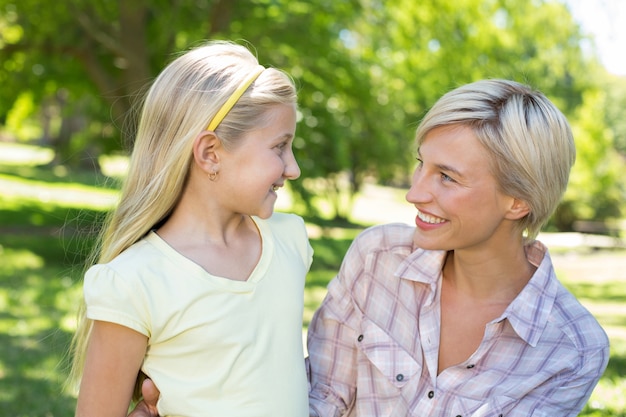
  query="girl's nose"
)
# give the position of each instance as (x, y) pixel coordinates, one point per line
(292, 170)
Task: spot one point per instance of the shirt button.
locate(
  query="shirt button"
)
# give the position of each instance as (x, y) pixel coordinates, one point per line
(360, 338)
(431, 394)
(459, 415)
(470, 366)
(399, 377)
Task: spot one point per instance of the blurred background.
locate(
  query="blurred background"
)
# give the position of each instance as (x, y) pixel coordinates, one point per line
(71, 77)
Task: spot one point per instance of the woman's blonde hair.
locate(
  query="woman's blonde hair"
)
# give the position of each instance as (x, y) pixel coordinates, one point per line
(529, 140)
(179, 105)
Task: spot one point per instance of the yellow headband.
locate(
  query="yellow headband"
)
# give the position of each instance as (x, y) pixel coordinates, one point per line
(223, 111)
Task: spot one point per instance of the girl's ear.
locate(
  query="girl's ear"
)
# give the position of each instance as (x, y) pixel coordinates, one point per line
(519, 209)
(205, 151)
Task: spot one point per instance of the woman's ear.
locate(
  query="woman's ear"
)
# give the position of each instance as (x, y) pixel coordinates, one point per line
(519, 209)
(206, 151)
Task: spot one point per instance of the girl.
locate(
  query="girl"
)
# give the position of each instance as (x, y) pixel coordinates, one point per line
(197, 283)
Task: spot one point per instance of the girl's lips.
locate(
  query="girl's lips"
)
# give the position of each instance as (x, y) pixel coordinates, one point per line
(276, 186)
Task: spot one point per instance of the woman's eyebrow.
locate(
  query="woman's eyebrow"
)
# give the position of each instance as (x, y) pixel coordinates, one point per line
(448, 168)
(444, 167)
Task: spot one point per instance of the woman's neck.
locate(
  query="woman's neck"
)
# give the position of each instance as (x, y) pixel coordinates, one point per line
(493, 278)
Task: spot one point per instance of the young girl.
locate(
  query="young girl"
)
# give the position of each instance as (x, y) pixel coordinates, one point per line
(197, 283)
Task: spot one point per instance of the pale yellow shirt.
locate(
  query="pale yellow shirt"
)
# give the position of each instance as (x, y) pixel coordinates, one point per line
(217, 347)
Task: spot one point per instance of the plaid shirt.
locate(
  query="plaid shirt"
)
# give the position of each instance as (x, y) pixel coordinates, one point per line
(373, 344)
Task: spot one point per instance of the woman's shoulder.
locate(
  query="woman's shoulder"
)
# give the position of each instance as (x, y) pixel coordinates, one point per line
(393, 240)
(387, 236)
(577, 322)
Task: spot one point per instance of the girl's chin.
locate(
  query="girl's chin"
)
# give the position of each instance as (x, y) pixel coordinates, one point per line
(265, 213)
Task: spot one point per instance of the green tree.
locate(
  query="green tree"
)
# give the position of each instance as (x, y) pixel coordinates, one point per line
(439, 45)
(114, 48)
(597, 187)
(366, 70)
(84, 62)
(615, 88)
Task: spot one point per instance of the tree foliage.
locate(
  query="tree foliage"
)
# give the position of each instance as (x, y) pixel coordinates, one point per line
(366, 70)
(596, 184)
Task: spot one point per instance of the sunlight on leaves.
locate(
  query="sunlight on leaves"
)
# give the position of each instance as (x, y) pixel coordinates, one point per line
(63, 195)
(13, 260)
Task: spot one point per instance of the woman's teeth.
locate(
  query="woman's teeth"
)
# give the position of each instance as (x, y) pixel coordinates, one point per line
(429, 219)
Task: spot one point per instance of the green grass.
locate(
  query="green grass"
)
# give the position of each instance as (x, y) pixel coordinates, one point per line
(46, 220)
(37, 298)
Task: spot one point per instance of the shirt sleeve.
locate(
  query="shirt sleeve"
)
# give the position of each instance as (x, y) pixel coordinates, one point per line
(332, 335)
(306, 249)
(565, 395)
(291, 229)
(562, 395)
(111, 298)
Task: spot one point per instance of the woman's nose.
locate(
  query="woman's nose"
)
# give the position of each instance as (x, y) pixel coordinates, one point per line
(418, 192)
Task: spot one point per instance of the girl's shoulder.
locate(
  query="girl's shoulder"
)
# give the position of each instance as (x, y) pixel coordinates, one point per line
(145, 253)
(280, 218)
(283, 225)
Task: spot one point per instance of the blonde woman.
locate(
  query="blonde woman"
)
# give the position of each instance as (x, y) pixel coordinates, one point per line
(462, 314)
(197, 283)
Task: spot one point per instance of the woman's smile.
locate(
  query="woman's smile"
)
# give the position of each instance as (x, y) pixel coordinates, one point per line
(428, 218)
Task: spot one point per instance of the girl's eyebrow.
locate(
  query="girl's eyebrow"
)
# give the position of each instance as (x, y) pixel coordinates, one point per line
(285, 136)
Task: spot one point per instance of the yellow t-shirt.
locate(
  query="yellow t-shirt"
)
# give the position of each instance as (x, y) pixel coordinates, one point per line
(216, 347)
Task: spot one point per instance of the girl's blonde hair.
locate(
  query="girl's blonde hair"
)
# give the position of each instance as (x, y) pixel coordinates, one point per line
(529, 140)
(178, 106)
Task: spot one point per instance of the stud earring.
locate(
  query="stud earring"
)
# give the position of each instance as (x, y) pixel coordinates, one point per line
(212, 175)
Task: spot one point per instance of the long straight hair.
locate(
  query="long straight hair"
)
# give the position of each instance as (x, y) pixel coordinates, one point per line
(178, 106)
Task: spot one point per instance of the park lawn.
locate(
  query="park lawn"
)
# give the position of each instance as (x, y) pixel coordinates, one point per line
(46, 229)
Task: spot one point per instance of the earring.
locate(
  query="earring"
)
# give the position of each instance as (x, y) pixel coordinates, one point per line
(212, 175)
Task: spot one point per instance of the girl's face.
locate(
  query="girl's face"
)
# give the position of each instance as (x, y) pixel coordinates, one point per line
(457, 197)
(260, 164)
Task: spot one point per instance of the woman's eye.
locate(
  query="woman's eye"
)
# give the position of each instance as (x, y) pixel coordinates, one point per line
(446, 177)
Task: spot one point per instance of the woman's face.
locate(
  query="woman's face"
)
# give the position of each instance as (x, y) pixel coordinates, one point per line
(457, 197)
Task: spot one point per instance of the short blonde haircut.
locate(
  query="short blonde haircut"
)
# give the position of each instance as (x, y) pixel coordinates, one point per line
(178, 106)
(529, 141)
